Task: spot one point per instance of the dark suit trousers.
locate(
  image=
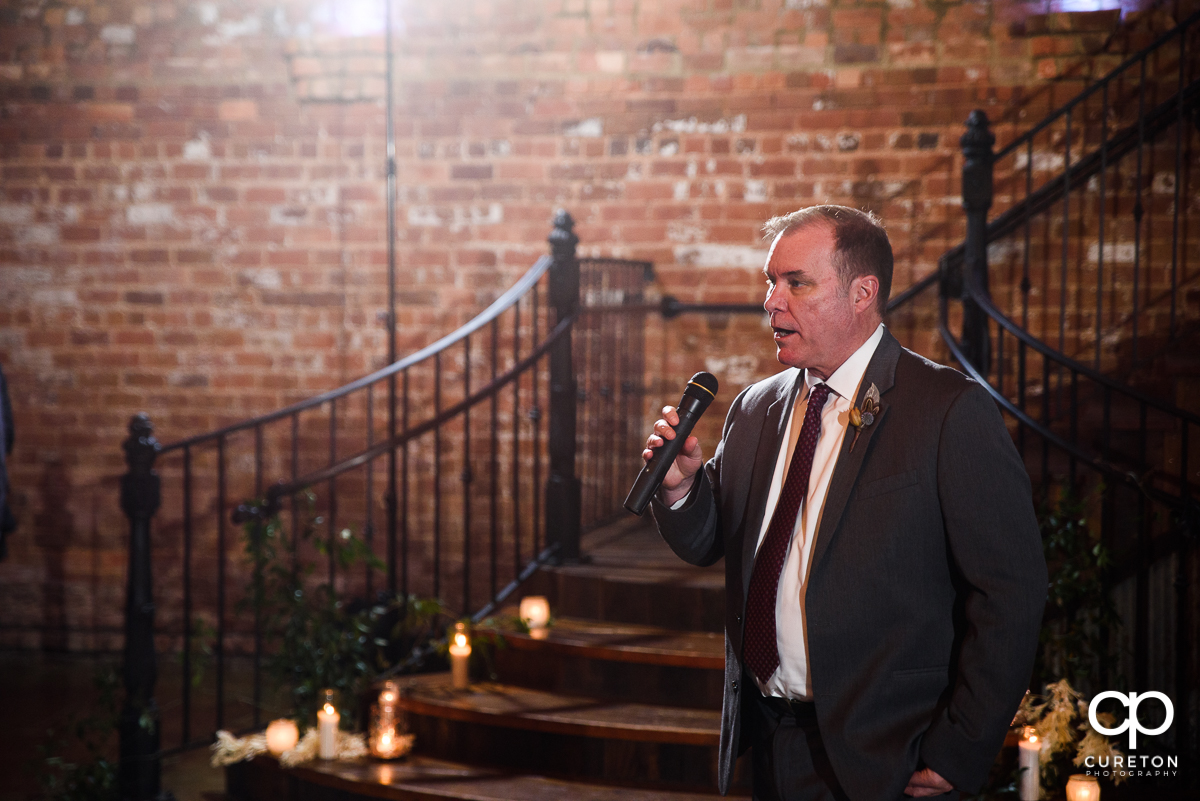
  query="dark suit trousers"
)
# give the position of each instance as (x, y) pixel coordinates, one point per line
(789, 758)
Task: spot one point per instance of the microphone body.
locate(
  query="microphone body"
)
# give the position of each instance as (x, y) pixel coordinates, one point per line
(698, 394)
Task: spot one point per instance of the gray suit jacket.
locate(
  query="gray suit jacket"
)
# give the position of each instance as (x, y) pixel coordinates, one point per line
(927, 581)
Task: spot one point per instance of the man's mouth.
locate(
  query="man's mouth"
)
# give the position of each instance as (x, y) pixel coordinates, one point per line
(780, 333)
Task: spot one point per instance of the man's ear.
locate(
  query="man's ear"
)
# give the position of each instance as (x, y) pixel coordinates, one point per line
(864, 289)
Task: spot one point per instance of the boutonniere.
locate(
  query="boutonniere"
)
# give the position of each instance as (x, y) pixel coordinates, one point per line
(862, 417)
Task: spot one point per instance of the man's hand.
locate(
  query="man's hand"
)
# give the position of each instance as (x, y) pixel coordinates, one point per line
(926, 782)
(679, 479)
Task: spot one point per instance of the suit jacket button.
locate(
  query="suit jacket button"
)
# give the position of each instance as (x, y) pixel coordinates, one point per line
(734, 684)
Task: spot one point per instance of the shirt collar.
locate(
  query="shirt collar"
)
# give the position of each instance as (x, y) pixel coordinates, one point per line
(845, 379)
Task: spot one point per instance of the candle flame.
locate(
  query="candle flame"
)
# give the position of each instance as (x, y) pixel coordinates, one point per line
(388, 698)
(385, 740)
(460, 640)
(329, 710)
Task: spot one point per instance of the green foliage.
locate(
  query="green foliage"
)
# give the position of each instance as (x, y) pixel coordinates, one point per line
(1079, 607)
(324, 641)
(93, 778)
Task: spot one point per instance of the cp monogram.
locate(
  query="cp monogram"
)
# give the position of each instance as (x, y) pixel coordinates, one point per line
(1132, 723)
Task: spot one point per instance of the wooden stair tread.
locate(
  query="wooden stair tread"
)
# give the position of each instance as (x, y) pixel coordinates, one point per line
(418, 778)
(626, 642)
(631, 551)
(521, 708)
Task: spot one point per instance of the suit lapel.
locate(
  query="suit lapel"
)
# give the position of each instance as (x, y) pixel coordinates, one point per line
(881, 371)
(765, 459)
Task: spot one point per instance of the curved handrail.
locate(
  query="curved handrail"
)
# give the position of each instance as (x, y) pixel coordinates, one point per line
(1124, 141)
(1070, 105)
(1030, 340)
(501, 304)
(285, 488)
(1099, 465)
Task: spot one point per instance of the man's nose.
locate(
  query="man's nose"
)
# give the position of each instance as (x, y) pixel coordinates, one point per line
(774, 303)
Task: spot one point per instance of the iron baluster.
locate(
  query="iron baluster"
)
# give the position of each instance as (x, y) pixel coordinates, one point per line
(139, 773)
(295, 499)
(494, 462)
(977, 199)
(516, 444)
(563, 494)
(222, 506)
(331, 509)
(404, 493)
(1138, 209)
(535, 417)
(437, 477)
(466, 479)
(369, 524)
(186, 685)
(1101, 209)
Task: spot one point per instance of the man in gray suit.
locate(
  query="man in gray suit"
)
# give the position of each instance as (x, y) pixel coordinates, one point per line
(883, 569)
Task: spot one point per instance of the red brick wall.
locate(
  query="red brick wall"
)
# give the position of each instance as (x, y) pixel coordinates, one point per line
(192, 209)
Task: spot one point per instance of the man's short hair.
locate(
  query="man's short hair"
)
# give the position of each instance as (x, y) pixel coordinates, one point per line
(861, 245)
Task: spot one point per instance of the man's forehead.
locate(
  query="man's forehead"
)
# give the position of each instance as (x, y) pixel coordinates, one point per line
(805, 247)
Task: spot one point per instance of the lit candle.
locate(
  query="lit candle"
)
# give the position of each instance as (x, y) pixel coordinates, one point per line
(460, 657)
(282, 735)
(385, 740)
(1030, 748)
(535, 613)
(1083, 788)
(327, 728)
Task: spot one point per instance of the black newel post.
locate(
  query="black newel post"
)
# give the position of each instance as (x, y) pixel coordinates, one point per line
(977, 199)
(139, 724)
(563, 496)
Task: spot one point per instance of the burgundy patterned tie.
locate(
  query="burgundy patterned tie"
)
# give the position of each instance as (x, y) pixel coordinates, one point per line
(760, 652)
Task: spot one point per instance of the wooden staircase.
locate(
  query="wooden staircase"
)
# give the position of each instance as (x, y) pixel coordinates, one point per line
(621, 699)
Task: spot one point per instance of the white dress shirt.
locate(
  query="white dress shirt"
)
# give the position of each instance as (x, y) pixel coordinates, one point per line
(791, 678)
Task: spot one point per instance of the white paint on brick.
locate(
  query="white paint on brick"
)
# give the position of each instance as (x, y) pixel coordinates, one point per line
(15, 213)
(686, 232)
(801, 5)
(234, 29)
(456, 217)
(711, 255)
(149, 213)
(76, 16)
(207, 13)
(55, 297)
(590, 128)
(668, 148)
(1043, 161)
(118, 34)
(610, 61)
(901, 3)
(36, 235)
(197, 149)
(733, 370)
(1119, 252)
(682, 189)
(756, 192)
(1164, 183)
(263, 279)
(692, 125)
(423, 216)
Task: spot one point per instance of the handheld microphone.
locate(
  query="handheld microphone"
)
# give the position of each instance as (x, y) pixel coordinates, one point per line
(698, 393)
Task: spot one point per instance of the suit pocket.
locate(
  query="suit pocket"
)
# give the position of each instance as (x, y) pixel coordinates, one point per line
(887, 484)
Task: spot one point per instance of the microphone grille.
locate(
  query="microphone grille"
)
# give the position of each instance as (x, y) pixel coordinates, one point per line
(706, 381)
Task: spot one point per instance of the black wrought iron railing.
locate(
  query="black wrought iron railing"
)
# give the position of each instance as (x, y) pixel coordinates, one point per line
(1090, 261)
(463, 467)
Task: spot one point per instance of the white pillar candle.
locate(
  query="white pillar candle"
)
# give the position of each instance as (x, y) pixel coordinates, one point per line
(460, 657)
(327, 732)
(535, 613)
(1029, 749)
(282, 735)
(1083, 788)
